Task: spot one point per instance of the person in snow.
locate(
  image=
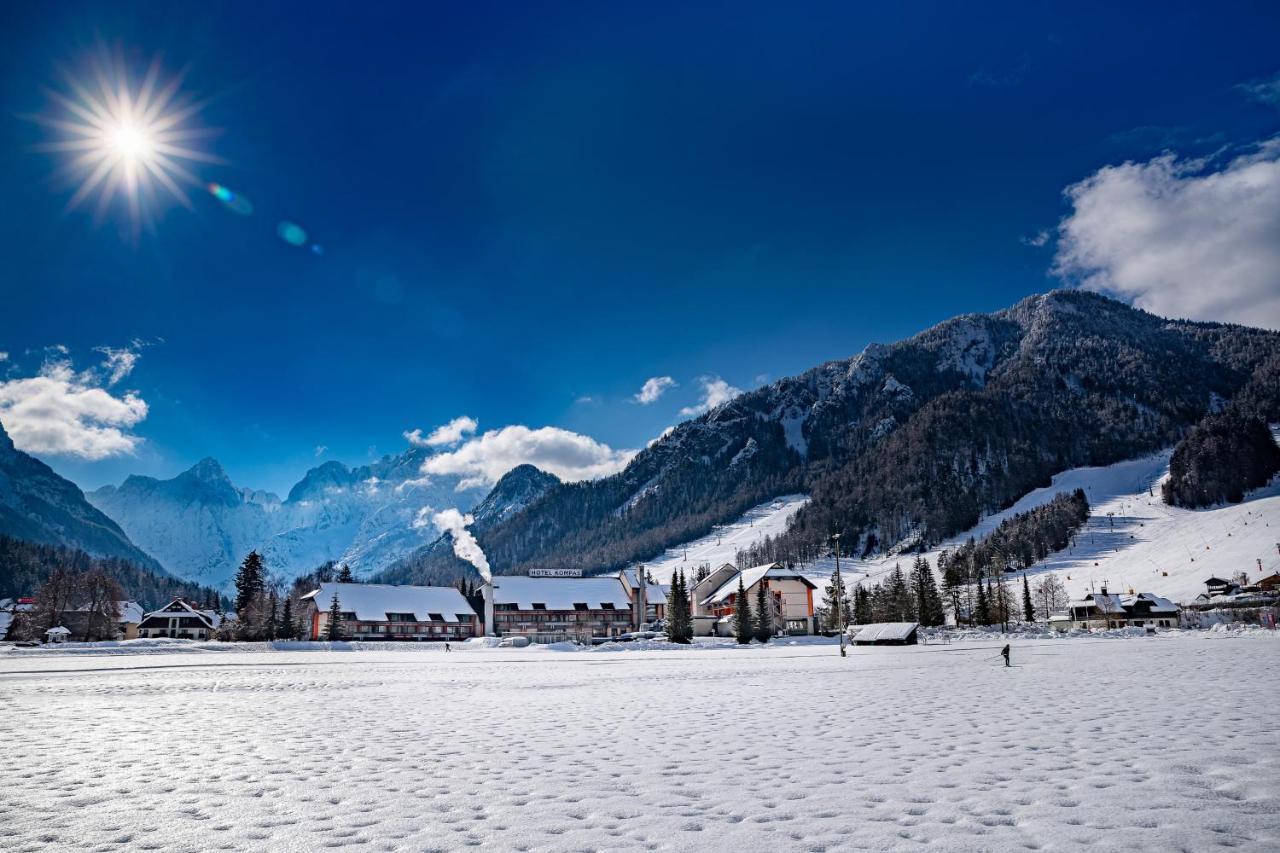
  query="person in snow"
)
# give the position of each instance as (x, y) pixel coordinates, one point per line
(1005, 653)
(446, 646)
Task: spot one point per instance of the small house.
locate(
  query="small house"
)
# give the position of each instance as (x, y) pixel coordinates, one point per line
(887, 634)
(1103, 611)
(1271, 583)
(1218, 586)
(57, 634)
(181, 620)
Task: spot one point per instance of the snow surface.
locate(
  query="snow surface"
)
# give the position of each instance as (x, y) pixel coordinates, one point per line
(1163, 743)
(722, 545)
(1132, 541)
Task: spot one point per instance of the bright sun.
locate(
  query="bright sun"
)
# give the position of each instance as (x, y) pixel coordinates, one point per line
(126, 141)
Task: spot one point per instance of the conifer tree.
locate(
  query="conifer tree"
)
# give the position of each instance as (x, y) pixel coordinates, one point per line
(288, 630)
(929, 611)
(251, 579)
(982, 613)
(764, 618)
(344, 575)
(833, 597)
(900, 601)
(679, 620)
(861, 605)
(335, 620)
(273, 616)
(1028, 607)
(742, 627)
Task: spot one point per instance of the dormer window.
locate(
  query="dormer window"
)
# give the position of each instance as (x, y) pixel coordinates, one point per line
(436, 617)
(538, 605)
(580, 605)
(401, 617)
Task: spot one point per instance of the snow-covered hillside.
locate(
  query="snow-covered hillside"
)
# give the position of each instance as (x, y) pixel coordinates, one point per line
(1133, 540)
(720, 546)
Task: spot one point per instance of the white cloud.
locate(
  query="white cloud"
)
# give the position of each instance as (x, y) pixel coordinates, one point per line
(1188, 239)
(61, 412)
(4, 356)
(321, 450)
(653, 388)
(443, 436)
(666, 432)
(482, 460)
(118, 363)
(715, 392)
(1038, 240)
(1265, 90)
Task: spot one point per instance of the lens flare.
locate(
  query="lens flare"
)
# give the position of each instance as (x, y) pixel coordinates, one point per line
(292, 234)
(125, 141)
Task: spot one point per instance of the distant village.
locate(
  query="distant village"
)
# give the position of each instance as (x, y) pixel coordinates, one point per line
(554, 606)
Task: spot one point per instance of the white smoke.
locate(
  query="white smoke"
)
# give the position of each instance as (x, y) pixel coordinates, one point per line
(453, 522)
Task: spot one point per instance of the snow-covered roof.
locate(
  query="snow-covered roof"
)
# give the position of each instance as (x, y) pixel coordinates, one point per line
(371, 602)
(654, 594)
(58, 629)
(5, 619)
(1157, 603)
(561, 593)
(126, 611)
(751, 577)
(885, 631)
(178, 607)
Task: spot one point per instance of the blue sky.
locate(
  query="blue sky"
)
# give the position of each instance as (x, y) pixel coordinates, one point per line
(528, 210)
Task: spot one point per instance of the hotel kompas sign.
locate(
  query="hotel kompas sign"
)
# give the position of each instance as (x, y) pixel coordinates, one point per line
(555, 573)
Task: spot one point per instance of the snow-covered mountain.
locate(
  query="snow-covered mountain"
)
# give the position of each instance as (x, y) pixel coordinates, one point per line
(39, 506)
(199, 525)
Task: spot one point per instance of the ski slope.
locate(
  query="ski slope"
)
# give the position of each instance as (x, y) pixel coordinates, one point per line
(722, 544)
(1133, 540)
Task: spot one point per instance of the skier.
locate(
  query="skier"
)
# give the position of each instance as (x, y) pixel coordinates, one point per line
(446, 646)
(1005, 652)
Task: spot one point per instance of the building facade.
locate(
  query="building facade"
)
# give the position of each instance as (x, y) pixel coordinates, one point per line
(553, 609)
(1101, 611)
(788, 595)
(179, 619)
(392, 613)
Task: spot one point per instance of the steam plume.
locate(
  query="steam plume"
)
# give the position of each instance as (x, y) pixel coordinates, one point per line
(464, 542)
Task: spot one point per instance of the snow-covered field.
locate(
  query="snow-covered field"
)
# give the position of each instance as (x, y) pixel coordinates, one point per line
(1162, 743)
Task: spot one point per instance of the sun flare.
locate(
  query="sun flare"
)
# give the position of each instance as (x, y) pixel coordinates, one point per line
(126, 142)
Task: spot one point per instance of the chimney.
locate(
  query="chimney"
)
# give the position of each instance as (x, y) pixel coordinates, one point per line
(642, 604)
(489, 630)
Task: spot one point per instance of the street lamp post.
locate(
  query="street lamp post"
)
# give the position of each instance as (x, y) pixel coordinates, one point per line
(839, 597)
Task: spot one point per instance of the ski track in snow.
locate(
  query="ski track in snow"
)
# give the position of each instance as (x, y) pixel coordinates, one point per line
(1147, 744)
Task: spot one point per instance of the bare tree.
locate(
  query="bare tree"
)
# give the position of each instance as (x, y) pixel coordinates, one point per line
(1050, 594)
(101, 595)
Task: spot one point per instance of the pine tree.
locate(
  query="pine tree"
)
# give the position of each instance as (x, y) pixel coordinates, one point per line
(833, 598)
(861, 605)
(273, 616)
(982, 614)
(679, 620)
(251, 579)
(1028, 607)
(929, 611)
(764, 618)
(344, 575)
(900, 601)
(335, 620)
(742, 628)
(288, 630)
